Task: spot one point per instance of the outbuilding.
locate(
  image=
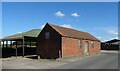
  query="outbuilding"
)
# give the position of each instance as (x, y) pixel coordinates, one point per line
(56, 42)
(110, 45)
(20, 44)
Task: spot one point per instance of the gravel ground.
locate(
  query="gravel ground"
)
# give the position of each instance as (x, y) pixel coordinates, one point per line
(26, 63)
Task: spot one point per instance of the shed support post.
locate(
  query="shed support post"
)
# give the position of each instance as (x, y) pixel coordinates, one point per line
(10, 44)
(23, 46)
(6, 44)
(16, 49)
(30, 47)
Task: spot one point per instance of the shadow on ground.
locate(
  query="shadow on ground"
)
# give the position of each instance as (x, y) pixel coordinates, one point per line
(8, 52)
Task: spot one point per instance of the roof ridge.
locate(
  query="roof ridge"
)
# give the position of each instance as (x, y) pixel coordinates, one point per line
(30, 31)
(67, 28)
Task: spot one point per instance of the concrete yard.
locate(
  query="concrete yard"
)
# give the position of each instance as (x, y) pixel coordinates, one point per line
(105, 60)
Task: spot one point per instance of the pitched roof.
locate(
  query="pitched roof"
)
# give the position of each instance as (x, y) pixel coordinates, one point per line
(113, 41)
(31, 33)
(73, 33)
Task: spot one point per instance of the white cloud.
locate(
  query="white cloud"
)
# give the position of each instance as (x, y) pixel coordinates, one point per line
(114, 38)
(19, 32)
(99, 37)
(113, 32)
(66, 25)
(59, 14)
(42, 26)
(104, 39)
(75, 15)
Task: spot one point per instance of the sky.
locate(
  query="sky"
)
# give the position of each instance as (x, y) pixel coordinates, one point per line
(100, 19)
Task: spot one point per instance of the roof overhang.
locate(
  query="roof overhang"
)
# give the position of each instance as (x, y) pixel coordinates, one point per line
(11, 39)
(26, 38)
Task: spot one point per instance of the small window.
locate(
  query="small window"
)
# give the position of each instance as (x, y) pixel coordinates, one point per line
(47, 35)
(92, 44)
(79, 44)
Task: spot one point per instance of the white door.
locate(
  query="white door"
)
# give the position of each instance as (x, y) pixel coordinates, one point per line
(86, 47)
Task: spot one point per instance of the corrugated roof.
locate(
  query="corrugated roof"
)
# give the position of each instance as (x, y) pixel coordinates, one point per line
(31, 33)
(73, 33)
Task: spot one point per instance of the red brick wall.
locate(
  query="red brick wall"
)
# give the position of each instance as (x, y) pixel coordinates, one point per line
(70, 47)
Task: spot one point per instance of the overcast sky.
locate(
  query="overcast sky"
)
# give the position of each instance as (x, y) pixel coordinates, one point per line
(99, 19)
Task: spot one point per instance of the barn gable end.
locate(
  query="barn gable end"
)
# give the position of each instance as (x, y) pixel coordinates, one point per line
(51, 46)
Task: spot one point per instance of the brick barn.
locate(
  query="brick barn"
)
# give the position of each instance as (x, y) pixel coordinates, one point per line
(56, 41)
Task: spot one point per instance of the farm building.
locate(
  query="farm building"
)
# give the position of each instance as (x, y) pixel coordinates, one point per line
(56, 42)
(20, 44)
(110, 45)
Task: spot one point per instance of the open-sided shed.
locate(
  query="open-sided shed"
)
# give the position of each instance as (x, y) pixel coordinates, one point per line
(19, 42)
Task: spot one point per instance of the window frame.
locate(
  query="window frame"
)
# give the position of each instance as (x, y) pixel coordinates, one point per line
(79, 44)
(92, 44)
(47, 35)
